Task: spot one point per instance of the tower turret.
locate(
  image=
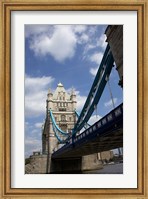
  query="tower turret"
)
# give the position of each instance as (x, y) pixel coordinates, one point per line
(73, 98)
(49, 99)
(49, 94)
(63, 107)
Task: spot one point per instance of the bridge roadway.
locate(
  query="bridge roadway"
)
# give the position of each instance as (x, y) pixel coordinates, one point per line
(105, 134)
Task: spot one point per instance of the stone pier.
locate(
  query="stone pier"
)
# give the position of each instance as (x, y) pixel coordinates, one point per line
(42, 164)
(114, 35)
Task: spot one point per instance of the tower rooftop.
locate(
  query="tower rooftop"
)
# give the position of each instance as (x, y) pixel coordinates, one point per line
(60, 84)
(60, 93)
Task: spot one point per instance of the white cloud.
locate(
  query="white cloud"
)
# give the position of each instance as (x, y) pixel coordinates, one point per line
(83, 39)
(32, 141)
(79, 28)
(89, 47)
(96, 57)
(109, 103)
(34, 84)
(93, 71)
(33, 30)
(61, 45)
(80, 102)
(32, 144)
(93, 119)
(35, 95)
(33, 135)
(60, 41)
(92, 30)
(38, 125)
(80, 99)
(102, 41)
(94, 48)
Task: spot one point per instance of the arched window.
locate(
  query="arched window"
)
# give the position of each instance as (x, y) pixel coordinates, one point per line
(63, 118)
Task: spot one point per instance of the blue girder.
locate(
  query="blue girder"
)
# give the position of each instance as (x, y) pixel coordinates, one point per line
(78, 115)
(96, 90)
(54, 122)
(60, 135)
(92, 99)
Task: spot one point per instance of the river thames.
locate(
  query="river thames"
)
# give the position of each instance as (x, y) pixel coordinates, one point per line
(108, 169)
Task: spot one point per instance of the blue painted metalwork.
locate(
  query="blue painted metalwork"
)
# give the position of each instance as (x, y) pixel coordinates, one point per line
(85, 125)
(56, 126)
(106, 125)
(92, 99)
(96, 90)
(61, 136)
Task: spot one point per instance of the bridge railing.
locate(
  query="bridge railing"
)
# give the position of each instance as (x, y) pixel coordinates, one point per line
(101, 123)
(97, 127)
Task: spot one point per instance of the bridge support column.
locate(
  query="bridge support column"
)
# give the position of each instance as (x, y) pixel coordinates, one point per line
(91, 162)
(75, 164)
(114, 35)
(45, 164)
(66, 165)
(52, 144)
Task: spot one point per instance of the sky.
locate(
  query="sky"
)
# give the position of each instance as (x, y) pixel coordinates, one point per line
(70, 54)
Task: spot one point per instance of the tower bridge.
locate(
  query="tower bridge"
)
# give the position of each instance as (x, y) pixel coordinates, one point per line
(105, 134)
(63, 146)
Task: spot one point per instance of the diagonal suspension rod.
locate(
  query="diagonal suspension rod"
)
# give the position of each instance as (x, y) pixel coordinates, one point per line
(96, 90)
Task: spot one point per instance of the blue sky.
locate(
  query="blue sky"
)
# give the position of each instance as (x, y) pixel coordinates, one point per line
(69, 54)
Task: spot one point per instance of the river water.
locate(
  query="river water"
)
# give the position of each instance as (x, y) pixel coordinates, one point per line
(108, 169)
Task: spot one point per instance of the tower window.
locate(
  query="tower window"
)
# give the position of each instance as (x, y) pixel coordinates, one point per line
(63, 118)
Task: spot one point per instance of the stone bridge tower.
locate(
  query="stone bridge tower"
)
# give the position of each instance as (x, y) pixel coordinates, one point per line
(114, 35)
(63, 106)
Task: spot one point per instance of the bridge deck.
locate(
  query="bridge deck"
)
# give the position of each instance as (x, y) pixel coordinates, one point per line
(106, 134)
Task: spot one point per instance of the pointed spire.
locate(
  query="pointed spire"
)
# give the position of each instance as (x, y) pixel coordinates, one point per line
(73, 91)
(60, 84)
(49, 90)
(49, 94)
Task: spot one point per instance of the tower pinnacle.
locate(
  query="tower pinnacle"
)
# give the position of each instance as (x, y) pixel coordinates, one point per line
(60, 84)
